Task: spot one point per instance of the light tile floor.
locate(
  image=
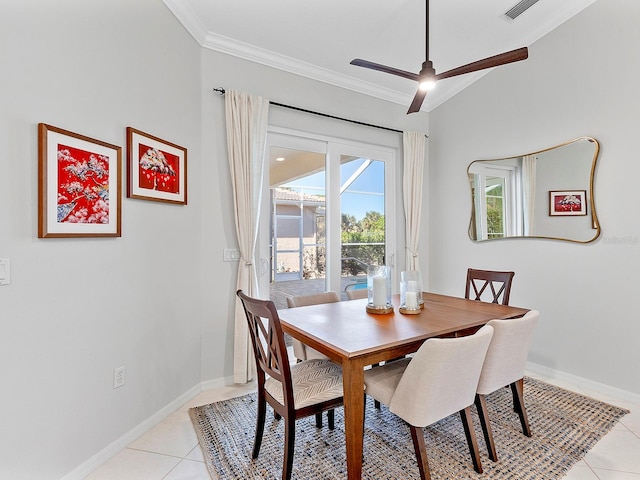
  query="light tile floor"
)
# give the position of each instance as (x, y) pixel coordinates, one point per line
(170, 451)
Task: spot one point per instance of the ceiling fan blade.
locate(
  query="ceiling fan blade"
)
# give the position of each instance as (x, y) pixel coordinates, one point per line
(383, 68)
(418, 99)
(490, 62)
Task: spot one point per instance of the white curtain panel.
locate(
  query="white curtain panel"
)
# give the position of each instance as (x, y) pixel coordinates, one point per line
(529, 191)
(413, 147)
(246, 119)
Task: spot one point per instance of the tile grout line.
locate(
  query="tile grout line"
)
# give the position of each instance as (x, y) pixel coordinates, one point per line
(155, 453)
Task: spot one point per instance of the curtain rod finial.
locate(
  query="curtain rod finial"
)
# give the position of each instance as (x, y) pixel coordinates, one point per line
(220, 90)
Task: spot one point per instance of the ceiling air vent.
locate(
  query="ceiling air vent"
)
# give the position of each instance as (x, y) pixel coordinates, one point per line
(519, 8)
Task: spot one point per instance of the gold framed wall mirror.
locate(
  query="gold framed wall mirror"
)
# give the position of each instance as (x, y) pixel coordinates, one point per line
(544, 194)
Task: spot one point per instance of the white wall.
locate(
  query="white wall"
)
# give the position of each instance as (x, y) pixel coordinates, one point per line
(78, 308)
(581, 79)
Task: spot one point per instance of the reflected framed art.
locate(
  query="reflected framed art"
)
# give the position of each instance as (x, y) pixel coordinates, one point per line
(567, 203)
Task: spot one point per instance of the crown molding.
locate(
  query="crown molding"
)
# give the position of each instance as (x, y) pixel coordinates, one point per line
(188, 18)
(291, 65)
(229, 46)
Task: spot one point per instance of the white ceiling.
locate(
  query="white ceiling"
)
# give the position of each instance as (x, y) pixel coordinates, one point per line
(318, 39)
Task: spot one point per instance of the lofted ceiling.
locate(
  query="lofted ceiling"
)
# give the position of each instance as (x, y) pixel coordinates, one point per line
(318, 39)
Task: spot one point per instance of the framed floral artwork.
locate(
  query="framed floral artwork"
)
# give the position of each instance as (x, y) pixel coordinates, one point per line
(567, 202)
(79, 185)
(157, 169)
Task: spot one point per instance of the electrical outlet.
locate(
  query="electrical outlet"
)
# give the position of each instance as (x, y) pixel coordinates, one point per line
(118, 377)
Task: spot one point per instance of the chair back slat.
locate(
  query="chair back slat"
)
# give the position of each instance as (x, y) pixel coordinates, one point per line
(499, 284)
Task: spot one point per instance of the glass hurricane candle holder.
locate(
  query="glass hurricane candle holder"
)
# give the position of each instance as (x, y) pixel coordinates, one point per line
(410, 292)
(379, 289)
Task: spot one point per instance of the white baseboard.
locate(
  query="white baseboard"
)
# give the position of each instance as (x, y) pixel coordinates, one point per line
(584, 383)
(106, 453)
(216, 383)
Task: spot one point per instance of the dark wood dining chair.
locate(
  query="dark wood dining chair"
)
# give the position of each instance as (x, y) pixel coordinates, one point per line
(485, 286)
(504, 366)
(488, 286)
(293, 391)
(438, 381)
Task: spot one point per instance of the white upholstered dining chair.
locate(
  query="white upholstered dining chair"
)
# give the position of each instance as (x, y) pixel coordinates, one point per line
(504, 366)
(356, 294)
(300, 350)
(438, 381)
(304, 352)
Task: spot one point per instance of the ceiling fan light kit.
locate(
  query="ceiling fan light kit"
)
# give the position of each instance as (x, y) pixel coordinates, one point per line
(427, 77)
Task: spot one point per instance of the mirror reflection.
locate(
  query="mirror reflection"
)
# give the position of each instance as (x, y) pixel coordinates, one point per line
(544, 194)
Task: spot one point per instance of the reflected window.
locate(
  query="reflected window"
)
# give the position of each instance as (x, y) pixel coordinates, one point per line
(495, 213)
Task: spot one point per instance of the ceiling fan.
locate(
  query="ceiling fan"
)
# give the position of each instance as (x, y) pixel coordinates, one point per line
(427, 77)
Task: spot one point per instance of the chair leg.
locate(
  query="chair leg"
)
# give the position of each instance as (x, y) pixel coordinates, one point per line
(318, 420)
(364, 418)
(481, 405)
(417, 435)
(469, 432)
(517, 388)
(289, 441)
(376, 403)
(262, 413)
(515, 398)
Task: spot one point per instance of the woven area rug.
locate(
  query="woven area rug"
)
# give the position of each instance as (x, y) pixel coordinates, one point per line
(565, 426)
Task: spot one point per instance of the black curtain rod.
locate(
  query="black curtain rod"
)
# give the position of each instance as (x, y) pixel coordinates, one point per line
(222, 91)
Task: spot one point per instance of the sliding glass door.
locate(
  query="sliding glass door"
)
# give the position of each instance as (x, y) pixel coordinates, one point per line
(324, 216)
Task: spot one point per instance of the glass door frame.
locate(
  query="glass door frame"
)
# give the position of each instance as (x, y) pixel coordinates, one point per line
(332, 148)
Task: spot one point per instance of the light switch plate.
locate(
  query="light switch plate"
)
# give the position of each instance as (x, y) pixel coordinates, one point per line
(231, 255)
(5, 271)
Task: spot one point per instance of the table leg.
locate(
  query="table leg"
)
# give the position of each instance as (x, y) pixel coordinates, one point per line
(353, 385)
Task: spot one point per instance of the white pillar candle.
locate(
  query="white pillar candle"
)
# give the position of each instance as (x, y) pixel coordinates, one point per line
(411, 300)
(379, 291)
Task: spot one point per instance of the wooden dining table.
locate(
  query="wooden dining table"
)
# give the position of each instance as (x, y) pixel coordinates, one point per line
(353, 338)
